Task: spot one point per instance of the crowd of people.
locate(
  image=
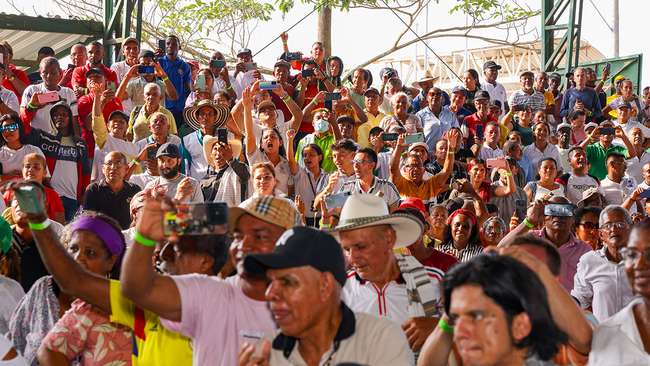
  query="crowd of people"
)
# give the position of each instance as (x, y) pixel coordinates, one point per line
(342, 219)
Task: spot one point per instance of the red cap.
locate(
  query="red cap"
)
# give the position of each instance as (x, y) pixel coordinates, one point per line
(416, 203)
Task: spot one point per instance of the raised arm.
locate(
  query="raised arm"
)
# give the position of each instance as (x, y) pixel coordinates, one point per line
(121, 90)
(70, 275)
(170, 89)
(247, 102)
(100, 131)
(319, 98)
(595, 134)
(565, 311)
(358, 112)
(448, 167)
(291, 157)
(510, 187)
(296, 113)
(396, 157)
(631, 150)
(139, 281)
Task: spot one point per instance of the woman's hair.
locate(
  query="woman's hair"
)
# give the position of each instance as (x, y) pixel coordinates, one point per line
(16, 119)
(396, 97)
(580, 212)
(263, 165)
(66, 236)
(474, 74)
(515, 289)
(498, 220)
(281, 150)
(204, 69)
(318, 150)
(225, 95)
(539, 165)
(336, 79)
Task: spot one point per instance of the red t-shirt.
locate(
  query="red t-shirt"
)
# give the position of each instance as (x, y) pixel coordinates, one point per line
(53, 203)
(79, 75)
(472, 121)
(21, 75)
(85, 108)
(440, 260)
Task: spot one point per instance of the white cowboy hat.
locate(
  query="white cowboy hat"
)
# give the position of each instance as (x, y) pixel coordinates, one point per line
(365, 210)
(428, 77)
(208, 143)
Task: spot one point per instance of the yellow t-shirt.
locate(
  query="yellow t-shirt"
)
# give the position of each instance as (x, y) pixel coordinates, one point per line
(426, 191)
(139, 123)
(549, 99)
(363, 132)
(154, 345)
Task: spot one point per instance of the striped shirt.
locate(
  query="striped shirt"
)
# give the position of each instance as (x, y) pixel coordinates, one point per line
(463, 255)
(381, 187)
(535, 101)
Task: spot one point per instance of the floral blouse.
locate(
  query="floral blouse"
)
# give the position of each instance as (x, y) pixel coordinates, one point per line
(86, 334)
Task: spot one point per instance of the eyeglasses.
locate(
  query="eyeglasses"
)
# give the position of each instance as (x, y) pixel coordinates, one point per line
(614, 225)
(588, 225)
(633, 255)
(9, 128)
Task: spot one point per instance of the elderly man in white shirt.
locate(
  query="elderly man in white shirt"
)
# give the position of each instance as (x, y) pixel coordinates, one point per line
(381, 282)
(496, 90)
(600, 281)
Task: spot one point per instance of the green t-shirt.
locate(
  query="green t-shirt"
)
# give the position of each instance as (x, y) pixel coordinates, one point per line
(597, 158)
(325, 143)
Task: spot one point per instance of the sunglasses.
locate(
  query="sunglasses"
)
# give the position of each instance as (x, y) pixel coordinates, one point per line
(9, 128)
(589, 225)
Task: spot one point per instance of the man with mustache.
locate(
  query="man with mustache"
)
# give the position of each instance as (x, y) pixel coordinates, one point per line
(176, 185)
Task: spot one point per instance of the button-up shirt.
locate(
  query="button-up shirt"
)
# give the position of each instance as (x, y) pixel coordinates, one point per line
(534, 155)
(535, 100)
(601, 284)
(617, 341)
(411, 124)
(433, 127)
(570, 252)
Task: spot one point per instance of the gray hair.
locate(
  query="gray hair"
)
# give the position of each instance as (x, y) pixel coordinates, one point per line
(47, 61)
(614, 208)
(152, 85)
(499, 221)
(396, 97)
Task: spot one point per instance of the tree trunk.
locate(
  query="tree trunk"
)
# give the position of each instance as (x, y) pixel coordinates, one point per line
(325, 29)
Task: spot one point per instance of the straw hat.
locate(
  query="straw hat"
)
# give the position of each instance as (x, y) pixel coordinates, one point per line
(190, 114)
(427, 78)
(366, 210)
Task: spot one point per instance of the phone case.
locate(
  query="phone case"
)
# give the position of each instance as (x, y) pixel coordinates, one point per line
(48, 97)
(29, 200)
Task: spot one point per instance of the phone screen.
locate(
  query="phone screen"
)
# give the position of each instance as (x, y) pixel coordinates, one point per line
(389, 136)
(558, 209)
(161, 44)
(414, 138)
(200, 84)
(196, 218)
(332, 96)
(217, 64)
(222, 135)
(336, 200)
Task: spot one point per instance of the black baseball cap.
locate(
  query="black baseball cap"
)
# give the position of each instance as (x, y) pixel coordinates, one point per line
(301, 246)
(146, 53)
(118, 113)
(244, 51)
(168, 149)
(459, 89)
(491, 65)
(94, 71)
(482, 95)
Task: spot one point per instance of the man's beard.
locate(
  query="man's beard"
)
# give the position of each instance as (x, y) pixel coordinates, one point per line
(169, 173)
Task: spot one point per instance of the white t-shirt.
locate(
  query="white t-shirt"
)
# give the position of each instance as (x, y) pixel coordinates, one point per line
(282, 171)
(199, 166)
(172, 185)
(12, 160)
(9, 98)
(128, 148)
(42, 118)
(5, 346)
(216, 315)
(616, 193)
(65, 177)
(576, 185)
(142, 179)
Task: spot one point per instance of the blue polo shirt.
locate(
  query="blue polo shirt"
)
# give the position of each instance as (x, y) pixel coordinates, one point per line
(179, 74)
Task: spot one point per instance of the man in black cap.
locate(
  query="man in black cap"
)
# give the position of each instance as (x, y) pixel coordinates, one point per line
(496, 90)
(306, 272)
(131, 90)
(527, 95)
(177, 185)
(481, 118)
(246, 71)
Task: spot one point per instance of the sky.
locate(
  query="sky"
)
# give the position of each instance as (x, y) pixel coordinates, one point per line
(359, 34)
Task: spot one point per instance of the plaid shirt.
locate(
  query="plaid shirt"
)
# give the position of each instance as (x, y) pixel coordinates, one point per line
(535, 101)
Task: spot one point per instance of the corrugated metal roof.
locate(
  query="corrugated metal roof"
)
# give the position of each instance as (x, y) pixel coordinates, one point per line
(26, 43)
